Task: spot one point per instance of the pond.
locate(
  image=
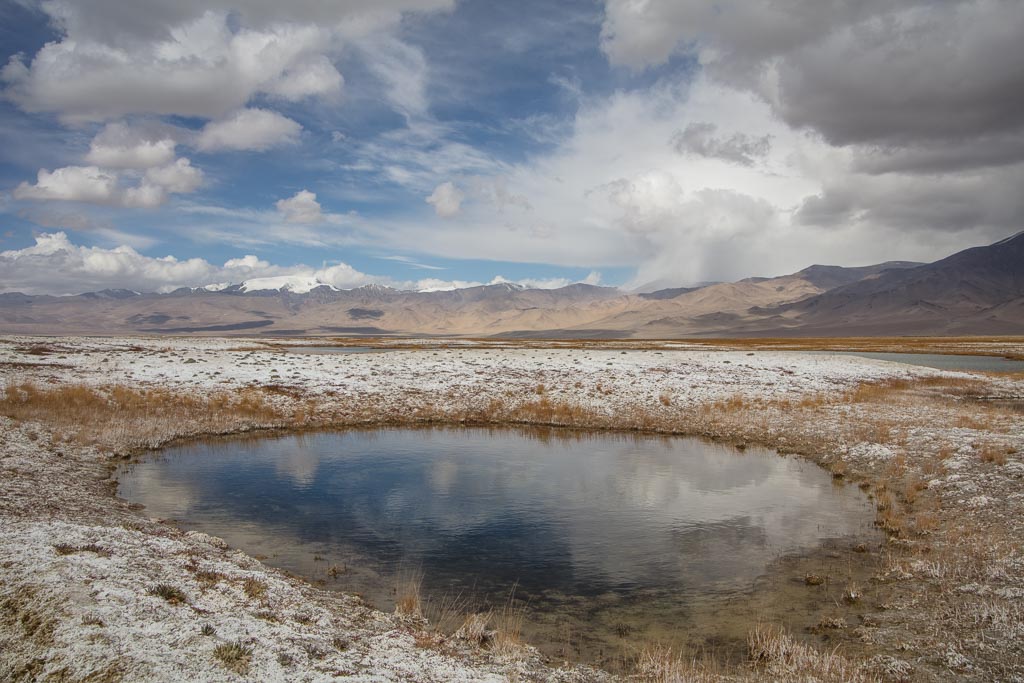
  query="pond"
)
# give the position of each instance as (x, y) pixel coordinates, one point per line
(945, 361)
(607, 540)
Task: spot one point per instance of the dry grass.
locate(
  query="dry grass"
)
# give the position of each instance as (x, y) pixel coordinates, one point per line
(117, 414)
(1004, 346)
(66, 549)
(549, 412)
(774, 655)
(659, 664)
(995, 453)
(234, 656)
(475, 629)
(255, 588)
(172, 594)
(447, 613)
(408, 593)
(508, 626)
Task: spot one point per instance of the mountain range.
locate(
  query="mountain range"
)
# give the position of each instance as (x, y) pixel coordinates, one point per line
(976, 291)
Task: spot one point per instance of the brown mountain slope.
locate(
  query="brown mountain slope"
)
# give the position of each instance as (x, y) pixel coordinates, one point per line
(976, 291)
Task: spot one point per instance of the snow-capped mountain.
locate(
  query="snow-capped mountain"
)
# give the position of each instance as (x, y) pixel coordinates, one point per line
(296, 284)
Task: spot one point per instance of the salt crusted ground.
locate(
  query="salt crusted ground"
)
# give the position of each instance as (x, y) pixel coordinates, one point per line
(77, 566)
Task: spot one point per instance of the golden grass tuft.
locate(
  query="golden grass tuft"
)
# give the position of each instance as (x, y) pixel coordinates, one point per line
(255, 588)
(995, 453)
(659, 664)
(234, 656)
(408, 593)
(172, 594)
(508, 626)
(775, 655)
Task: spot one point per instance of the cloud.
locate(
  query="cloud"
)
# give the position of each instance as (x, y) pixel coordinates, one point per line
(119, 146)
(961, 202)
(199, 68)
(699, 139)
(401, 68)
(249, 129)
(180, 177)
(249, 261)
(858, 73)
(411, 262)
(446, 200)
(344, 276)
(95, 185)
(55, 265)
(302, 208)
(111, 21)
(191, 58)
(72, 183)
(417, 156)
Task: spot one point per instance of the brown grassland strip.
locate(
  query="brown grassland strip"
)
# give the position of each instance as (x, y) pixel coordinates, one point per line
(1001, 346)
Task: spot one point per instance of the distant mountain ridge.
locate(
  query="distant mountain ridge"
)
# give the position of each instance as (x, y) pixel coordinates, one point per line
(978, 288)
(976, 291)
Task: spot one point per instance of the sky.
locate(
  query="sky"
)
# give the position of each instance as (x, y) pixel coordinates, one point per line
(432, 144)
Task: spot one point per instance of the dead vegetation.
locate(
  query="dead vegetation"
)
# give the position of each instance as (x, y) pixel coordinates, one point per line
(119, 414)
(1003, 346)
(67, 549)
(254, 588)
(234, 656)
(408, 590)
(172, 594)
(773, 655)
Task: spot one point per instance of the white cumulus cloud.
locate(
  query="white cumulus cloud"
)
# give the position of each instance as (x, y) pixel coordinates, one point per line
(119, 146)
(249, 129)
(301, 208)
(95, 185)
(72, 183)
(200, 67)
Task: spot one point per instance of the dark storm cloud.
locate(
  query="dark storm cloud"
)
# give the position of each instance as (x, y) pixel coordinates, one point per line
(942, 157)
(899, 79)
(990, 198)
(951, 72)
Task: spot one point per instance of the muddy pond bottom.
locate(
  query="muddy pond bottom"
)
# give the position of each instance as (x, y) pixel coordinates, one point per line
(594, 544)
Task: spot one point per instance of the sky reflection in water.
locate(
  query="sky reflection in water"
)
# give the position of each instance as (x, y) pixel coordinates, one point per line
(482, 510)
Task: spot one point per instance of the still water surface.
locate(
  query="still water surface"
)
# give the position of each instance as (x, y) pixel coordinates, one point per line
(945, 361)
(620, 530)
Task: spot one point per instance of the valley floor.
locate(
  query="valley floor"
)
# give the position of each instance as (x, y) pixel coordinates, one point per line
(91, 589)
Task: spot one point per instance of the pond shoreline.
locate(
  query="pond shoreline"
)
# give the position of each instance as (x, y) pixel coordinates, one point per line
(60, 494)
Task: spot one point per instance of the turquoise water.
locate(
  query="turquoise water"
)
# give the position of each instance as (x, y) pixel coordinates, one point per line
(945, 362)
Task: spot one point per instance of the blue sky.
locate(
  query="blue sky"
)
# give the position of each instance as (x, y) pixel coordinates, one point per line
(439, 143)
